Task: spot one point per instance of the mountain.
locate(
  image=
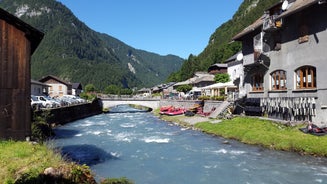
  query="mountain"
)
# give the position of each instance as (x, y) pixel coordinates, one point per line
(220, 47)
(75, 53)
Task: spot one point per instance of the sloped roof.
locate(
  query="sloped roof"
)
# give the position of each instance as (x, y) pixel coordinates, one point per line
(44, 79)
(38, 83)
(77, 86)
(297, 6)
(209, 78)
(144, 90)
(220, 65)
(233, 57)
(198, 77)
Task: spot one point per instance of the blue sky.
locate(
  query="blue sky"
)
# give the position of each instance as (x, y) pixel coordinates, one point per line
(179, 27)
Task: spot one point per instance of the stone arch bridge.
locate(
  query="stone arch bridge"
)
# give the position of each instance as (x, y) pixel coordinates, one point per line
(111, 102)
(157, 103)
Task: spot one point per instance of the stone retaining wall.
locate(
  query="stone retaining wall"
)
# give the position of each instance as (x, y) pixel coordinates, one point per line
(208, 104)
(68, 114)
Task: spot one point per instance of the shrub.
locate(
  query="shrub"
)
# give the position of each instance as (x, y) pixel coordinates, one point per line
(41, 130)
(218, 98)
(204, 98)
(122, 180)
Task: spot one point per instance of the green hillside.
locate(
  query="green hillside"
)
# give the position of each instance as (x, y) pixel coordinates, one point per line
(75, 53)
(219, 47)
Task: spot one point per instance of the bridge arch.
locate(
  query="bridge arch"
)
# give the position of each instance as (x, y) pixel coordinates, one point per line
(153, 104)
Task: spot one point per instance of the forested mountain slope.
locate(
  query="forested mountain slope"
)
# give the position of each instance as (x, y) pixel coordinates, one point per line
(219, 47)
(75, 53)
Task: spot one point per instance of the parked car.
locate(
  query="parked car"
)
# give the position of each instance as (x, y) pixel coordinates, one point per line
(192, 95)
(36, 104)
(68, 101)
(75, 98)
(48, 102)
(60, 101)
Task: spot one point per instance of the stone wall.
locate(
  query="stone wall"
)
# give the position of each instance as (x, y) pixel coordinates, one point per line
(208, 104)
(68, 114)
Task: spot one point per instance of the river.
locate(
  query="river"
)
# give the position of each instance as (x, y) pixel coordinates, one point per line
(147, 150)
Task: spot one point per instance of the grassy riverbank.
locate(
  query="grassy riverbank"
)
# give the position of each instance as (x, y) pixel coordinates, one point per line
(26, 162)
(266, 133)
(269, 134)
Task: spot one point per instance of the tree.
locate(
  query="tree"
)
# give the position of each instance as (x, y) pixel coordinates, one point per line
(184, 88)
(222, 77)
(112, 89)
(89, 88)
(117, 90)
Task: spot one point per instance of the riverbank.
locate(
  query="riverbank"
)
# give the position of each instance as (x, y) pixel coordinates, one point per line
(32, 162)
(28, 162)
(256, 131)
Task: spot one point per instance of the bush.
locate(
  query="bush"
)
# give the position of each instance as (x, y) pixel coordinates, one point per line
(122, 180)
(218, 98)
(204, 98)
(68, 173)
(41, 130)
(88, 96)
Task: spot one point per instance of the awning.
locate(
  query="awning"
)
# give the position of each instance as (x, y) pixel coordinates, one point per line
(229, 84)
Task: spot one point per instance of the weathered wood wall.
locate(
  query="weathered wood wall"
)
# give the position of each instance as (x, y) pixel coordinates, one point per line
(15, 113)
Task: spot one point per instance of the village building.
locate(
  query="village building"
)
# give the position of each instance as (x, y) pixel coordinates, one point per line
(39, 88)
(234, 68)
(218, 68)
(57, 87)
(200, 79)
(18, 41)
(77, 89)
(284, 58)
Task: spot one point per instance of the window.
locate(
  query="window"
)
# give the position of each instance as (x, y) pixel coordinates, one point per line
(60, 87)
(257, 82)
(278, 80)
(306, 77)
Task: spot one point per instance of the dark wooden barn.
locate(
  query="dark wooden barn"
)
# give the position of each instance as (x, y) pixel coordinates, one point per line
(18, 41)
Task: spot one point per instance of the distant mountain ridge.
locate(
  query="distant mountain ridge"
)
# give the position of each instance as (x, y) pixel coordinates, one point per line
(75, 53)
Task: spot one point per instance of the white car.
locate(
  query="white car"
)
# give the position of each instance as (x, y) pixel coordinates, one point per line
(75, 98)
(192, 95)
(36, 104)
(47, 102)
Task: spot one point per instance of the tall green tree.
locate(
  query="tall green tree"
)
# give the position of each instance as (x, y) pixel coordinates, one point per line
(112, 89)
(222, 78)
(89, 88)
(184, 88)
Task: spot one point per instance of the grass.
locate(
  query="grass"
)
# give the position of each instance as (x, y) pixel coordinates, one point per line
(268, 134)
(25, 162)
(18, 158)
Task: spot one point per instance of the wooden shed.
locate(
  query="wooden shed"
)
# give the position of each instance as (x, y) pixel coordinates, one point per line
(18, 41)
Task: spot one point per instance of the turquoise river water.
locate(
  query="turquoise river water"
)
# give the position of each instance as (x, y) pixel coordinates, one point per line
(141, 147)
